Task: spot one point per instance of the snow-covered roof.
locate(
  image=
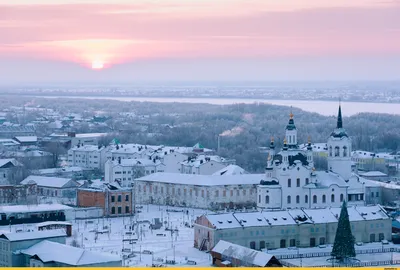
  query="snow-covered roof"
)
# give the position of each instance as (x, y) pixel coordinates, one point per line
(13, 161)
(25, 139)
(325, 179)
(202, 159)
(203, 180)
(48, 251)
(316, 147)
(46, 223)
(87, 148)
(90, 135)
(231, 170)
(291, 217)
(22, 236)
(373, 174)
(242, 253)
(13, 209)
(129, 162)
(46, 181)
(60, 170)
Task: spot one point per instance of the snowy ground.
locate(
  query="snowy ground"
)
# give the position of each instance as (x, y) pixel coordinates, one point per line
(173, 245)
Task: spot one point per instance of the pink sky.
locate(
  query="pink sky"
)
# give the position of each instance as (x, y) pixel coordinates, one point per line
(124, 32)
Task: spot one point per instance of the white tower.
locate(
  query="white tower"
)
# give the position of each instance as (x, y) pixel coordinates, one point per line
(310, 158)
(291, 133)
(339, 150)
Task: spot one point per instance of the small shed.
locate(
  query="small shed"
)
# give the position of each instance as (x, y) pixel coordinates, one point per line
(55, 225)
(226, 254)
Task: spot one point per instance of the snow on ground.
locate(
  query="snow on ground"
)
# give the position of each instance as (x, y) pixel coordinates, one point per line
(173, 245)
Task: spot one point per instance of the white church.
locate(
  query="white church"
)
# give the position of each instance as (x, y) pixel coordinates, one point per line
(292, 181)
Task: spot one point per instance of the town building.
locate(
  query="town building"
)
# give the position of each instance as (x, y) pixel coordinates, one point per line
(26, 140)
(231, 170)
(375, 175)
(11, 171)
(226, 254)
(290, 228)
(75, 173)
(205, 165)
(114, 200)
(85, 138)
(200, 191)
(87, 156)
(124, 171)
(54, 189)
(16, 130)
(13, 243)
(53, 254)
(18, 194)
(35, 213)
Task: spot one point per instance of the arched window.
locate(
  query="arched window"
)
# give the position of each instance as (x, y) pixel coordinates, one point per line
(344, 151)
(297, 199)
(289, 182)
(307, 181)
(333, 198)
(259, 198)
(306, 199)
(337, 151)
(323, 198)
(315, 199)
(330, 151)
(289, 199)
(267, 199)
(341, 197)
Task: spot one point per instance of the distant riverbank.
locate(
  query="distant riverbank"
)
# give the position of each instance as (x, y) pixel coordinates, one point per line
(327, 108)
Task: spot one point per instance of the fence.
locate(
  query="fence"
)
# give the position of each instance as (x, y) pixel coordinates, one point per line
(328, 254)
(360, 264)
(88, 213)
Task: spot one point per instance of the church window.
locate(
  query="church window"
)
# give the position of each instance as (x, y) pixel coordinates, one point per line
(306, 199)
(344, 151)
(315, 199)
(298, 182)
(216, 193)
(336, 151)
(307, 181)
(290, 139)
(259, 198)
(333, 198)
(267, 199)
(289, 182)
(330, 151)
(289, 199)
(323, 198)
(297, 199)
(341, 197)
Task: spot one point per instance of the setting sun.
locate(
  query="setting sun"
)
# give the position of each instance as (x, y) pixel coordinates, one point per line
(97, 64)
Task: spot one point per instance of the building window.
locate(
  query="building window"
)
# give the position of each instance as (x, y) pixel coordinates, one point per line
(267, 199)
(119, 198)
(184, 192)
(377, 194)
(262, 244)
(259, 198)
(119, 209)
(113, 210)
(179, 191)
(341, 197)
(127, 198)
(306, 198)
(112, 198)
(312, 242)
(323, 198)
(315, 199)
(322, 241)
(283, 243)
(202, 193)
(216, 193)
(298, 182)
(292, 242)
(381, 236)
(253, 245)
(307, 181)
(330, 151)
(333, 198)
(126, 209)
(289, 182)
(162, 190)
(336, 151)
(231, 193)
(372, 237)
(297, 199)
(237, 193)
(224, 193)
(344, 151)
(289, 199)
(244, 192)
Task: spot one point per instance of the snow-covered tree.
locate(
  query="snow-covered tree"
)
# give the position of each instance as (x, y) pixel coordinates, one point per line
(343, 247)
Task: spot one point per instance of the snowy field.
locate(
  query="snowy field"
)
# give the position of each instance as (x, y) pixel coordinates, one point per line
(141, 241)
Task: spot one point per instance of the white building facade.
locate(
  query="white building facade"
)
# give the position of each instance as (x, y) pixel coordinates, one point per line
(87, 156)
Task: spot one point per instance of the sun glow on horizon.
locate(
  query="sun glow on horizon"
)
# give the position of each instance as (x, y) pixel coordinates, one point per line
(97, 64)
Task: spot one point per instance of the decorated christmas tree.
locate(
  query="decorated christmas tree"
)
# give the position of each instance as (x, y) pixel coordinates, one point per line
(343, 247)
